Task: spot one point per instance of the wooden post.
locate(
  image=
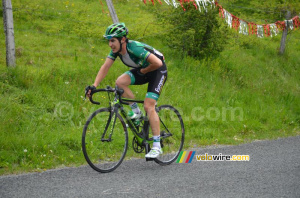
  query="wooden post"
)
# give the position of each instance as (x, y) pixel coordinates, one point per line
(9, 32)
(112, 11)
(284, 35)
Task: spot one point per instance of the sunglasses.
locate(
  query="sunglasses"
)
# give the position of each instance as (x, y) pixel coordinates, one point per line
(108, 37)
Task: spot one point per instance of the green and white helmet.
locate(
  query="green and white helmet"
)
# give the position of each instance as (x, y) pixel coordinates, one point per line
(117, 30)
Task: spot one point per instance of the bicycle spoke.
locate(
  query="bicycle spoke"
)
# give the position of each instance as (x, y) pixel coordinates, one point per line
(104, 156)
(172, 134)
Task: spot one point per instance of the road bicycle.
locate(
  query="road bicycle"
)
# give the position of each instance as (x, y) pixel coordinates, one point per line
(105, 133)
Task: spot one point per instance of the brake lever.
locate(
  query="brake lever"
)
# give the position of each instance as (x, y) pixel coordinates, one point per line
(85, 94)
(87, 89)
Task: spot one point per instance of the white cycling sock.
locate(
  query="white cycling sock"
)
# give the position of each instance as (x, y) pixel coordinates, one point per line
(156, 141)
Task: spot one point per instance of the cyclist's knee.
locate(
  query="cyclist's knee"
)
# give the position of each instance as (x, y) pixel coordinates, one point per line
(123, 81)
(149, 104)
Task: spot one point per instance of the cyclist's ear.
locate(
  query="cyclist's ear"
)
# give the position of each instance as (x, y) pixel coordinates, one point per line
(124, 40)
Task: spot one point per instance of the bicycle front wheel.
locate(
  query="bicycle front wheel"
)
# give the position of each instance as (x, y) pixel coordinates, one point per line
(104, 140)
(171, 135)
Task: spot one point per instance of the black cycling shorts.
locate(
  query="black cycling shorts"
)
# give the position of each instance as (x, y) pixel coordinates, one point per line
(155, 79)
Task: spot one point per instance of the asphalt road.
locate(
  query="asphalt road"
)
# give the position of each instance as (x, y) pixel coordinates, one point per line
(273, 171)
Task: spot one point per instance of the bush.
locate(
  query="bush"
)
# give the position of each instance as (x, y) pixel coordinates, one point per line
(199, 34)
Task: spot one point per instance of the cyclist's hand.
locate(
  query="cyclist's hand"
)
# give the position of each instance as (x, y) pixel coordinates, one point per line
(88, 90)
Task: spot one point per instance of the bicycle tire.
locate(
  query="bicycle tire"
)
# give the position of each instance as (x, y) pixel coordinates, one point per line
(170, 122)
(104, 156)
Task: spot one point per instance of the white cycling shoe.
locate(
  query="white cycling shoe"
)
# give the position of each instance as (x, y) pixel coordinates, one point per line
(154, 152)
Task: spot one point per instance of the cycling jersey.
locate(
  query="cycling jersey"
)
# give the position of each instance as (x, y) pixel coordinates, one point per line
(136, 57)
(137, 54)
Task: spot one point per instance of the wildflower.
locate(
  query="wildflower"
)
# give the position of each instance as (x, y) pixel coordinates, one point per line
(25, 150)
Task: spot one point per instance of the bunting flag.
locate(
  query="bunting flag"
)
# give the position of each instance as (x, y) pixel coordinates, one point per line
(197, 3)
(243, 29)
(242, 26)
(152, 1)
(253, 28)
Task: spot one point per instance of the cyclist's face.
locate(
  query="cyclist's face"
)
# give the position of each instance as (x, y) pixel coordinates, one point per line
(114, 44)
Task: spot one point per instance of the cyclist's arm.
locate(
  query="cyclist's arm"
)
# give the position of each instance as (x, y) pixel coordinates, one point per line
(155, 63)
(103, 71)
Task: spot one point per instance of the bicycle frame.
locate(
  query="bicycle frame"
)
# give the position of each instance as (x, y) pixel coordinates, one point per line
(116, 105)
(96, 141)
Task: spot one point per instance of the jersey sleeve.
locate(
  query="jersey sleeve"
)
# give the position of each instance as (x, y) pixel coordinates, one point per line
(139, 51)
(112, 56)
(143, 54)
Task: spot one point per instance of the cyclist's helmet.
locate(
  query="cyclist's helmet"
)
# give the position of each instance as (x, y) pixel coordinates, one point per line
(117, 30)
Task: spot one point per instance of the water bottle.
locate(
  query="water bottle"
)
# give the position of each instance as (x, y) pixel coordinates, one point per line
(136, 121)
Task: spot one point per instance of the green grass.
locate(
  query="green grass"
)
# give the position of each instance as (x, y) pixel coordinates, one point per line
(248, 92)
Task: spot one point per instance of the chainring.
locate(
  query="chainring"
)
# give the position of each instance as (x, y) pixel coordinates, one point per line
(136, 147)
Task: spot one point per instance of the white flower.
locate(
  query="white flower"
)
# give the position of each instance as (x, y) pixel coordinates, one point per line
(25, 150)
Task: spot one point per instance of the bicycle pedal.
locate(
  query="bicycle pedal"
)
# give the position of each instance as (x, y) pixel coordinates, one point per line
(149, 159)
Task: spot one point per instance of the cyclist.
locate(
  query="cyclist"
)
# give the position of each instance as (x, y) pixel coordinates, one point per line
(148, 66)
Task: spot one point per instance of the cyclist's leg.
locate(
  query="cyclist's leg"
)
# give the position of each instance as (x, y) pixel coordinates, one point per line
(123, 82)
(149, 105)
(130, 78)
(157, 80)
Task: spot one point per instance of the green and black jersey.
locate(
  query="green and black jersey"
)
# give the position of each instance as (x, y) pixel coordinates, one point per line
(136, 57)
(137, 54)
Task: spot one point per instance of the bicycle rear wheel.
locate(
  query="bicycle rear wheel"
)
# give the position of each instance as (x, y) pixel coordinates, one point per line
(171, 135)
(102, 154)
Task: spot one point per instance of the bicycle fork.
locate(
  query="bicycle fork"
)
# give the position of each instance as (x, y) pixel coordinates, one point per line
(112, 118)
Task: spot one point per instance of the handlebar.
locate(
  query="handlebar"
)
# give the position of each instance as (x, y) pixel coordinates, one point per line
(91, 95)
(118, 91)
